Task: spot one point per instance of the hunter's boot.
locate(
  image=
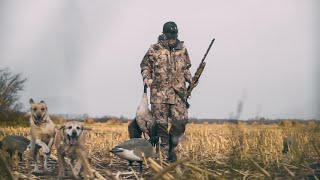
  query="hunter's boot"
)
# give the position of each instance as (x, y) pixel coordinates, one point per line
(162, 133)
(134, 130)
(176, 131)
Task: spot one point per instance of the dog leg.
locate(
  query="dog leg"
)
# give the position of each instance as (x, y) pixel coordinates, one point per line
(50, 143)
(28, 147)
(61, 165)
(44, 146)
(46, 158)
(46, 152)
(77, 167)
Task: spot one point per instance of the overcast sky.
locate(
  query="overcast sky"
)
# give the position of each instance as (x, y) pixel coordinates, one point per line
(84, 56)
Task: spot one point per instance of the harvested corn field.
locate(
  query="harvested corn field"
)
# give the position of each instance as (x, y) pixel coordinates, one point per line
(206, 151)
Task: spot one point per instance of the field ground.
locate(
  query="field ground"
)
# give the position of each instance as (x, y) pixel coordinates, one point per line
(211, 151)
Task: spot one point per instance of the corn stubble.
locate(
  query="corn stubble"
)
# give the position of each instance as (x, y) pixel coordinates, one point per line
(207, 151)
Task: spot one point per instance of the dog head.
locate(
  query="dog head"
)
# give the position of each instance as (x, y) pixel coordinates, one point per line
(38, 111)
(72, 131)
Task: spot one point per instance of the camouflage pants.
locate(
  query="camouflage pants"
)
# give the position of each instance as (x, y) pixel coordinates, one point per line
(179, 116)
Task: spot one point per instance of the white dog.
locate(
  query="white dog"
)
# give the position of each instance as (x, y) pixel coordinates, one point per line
(68, 139)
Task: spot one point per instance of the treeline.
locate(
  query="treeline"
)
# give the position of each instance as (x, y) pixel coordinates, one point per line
(250, 121)
(11, 84)
(61, 118)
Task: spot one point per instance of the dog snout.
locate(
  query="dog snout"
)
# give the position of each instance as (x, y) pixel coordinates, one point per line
(74, 133)
(38, 117)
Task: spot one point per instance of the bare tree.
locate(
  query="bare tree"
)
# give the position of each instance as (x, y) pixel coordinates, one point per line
(10, 86)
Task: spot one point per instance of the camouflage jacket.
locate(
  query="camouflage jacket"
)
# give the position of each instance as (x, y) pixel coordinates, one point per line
(169, 70)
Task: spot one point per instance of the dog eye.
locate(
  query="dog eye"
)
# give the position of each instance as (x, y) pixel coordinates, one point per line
(42, 109)
(78, 127)
(70, 127)
(34, 109)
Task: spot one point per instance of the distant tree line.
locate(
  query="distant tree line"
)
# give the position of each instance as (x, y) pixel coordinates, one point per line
(11, 84)
(249, 122)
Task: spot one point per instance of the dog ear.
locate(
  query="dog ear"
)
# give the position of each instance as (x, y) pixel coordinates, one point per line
(61, 127)
(42, 101)
(31, 101)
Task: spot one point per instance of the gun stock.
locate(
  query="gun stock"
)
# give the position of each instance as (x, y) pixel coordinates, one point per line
(195, 78)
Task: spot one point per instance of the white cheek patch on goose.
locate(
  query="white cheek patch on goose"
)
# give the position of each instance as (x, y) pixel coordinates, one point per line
(129, 155)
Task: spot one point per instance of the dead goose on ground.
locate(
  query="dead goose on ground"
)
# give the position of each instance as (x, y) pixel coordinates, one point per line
(132, 150)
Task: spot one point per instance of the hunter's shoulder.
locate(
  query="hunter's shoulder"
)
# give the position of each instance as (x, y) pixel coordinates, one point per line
(181, 46)
(156, 47)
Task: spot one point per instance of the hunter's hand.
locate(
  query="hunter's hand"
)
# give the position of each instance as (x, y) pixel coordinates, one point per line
(147, 82)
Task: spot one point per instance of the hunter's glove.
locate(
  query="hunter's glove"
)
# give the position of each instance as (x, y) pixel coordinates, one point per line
(147, 81)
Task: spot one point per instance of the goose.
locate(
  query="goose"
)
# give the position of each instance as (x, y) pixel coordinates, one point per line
(12, 143)
(132, 150)
(289, 144)
(144, 119)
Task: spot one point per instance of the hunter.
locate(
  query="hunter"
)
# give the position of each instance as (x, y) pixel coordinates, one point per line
(165, 69)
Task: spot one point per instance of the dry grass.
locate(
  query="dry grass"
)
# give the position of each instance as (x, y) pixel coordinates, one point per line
(208, 151)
